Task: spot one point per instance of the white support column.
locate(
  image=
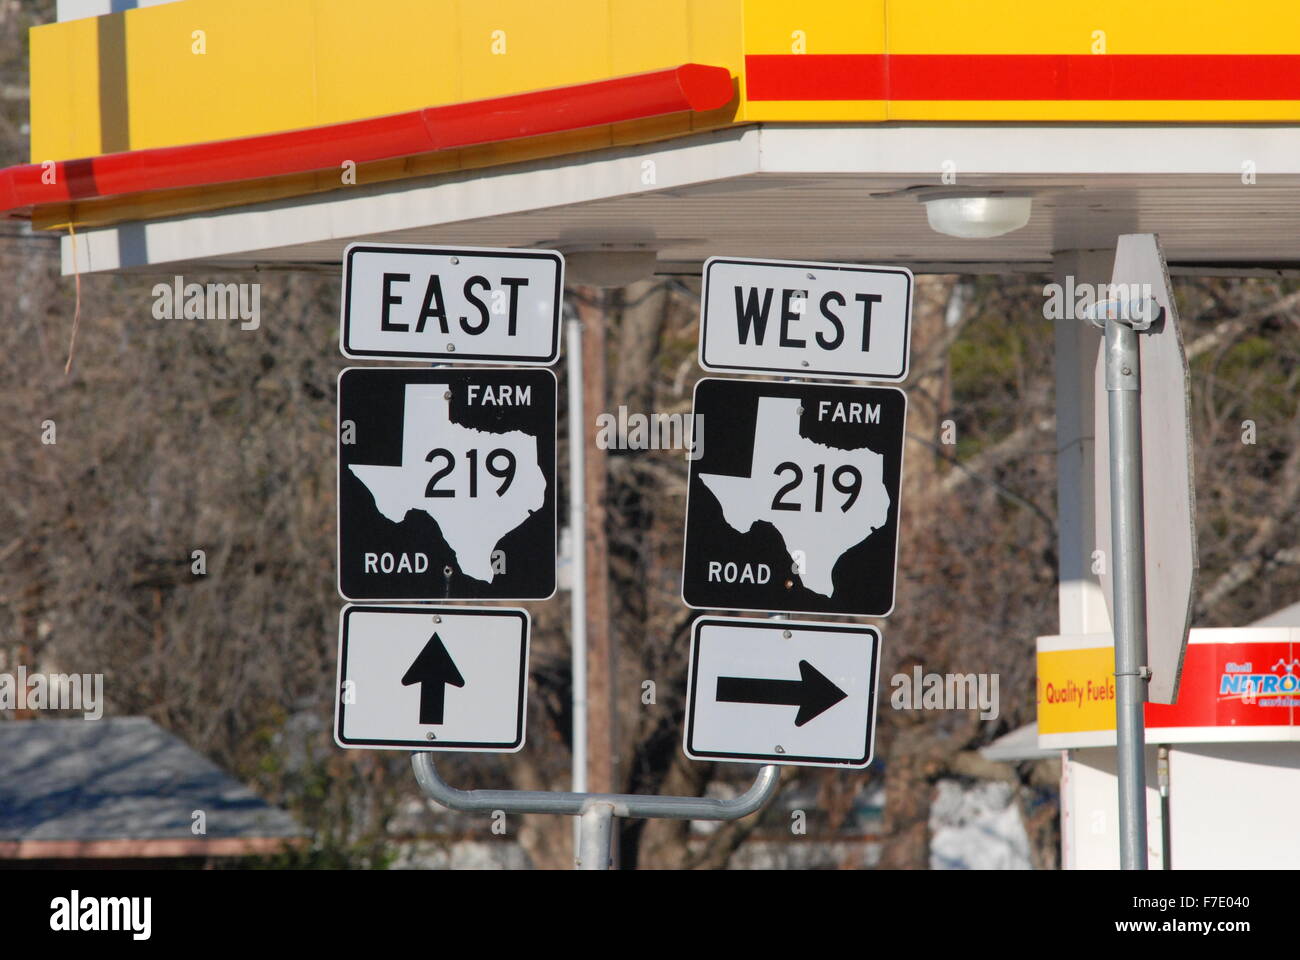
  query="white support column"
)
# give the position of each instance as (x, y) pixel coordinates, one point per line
(1082, 606)
(1081, 603)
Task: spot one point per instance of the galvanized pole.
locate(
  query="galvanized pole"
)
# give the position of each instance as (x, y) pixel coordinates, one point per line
(1128, 568)
(596, 834)
(595, 811)
(602, 717)
(578, 560)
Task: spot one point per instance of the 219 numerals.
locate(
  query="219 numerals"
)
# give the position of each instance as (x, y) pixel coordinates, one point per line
(506, 473)
(846, 479)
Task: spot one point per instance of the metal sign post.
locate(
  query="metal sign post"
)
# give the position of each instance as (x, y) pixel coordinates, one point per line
(578, 562)
(1123, 391)
(1141, 293)
(595, 811)
(1145, 516)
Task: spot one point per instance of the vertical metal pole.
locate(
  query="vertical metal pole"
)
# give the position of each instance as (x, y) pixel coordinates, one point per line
(596, 833)
(1128, 568)
(1166, 836)
(591, 305)
(578, 560)
(602, 717)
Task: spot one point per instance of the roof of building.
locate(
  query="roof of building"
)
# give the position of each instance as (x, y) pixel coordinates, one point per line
(1020, 744)
(124, 787)
(1286, 617)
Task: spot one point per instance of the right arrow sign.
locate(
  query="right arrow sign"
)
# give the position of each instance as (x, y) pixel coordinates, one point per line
(747, 674)
(812, 693)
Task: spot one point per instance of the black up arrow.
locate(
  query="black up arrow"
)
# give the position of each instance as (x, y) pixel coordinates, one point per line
(433, 669)
(812, 693)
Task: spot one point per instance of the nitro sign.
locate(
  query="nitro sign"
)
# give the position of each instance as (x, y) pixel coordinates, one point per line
(808, 319)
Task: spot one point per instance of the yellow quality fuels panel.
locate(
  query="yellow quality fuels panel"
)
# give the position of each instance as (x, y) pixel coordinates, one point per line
(1076, 690)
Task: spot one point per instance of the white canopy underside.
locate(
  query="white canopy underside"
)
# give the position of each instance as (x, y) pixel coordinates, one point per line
(842, 192)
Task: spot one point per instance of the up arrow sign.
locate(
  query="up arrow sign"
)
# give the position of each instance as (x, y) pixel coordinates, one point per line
(812, 693)
(397, 668)
(433, 669)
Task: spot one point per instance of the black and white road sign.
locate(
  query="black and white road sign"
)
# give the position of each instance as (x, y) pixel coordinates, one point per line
(432, 678)
(809, 319)
(446, 484)
(471, 305)
(793, 501)
(782, 691)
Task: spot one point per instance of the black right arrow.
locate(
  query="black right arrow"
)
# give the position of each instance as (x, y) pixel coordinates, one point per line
(812, 693)
(433, 669)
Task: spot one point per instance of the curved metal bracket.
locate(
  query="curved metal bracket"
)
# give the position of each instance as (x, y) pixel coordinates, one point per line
(575, 804)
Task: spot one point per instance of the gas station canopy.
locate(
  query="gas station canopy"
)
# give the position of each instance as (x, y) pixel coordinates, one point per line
(240, 134)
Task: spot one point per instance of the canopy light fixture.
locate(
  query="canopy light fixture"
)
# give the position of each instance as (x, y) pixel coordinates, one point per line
(977, 217)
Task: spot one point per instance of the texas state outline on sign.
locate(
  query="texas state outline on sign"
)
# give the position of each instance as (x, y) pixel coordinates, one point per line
(472, 534)
(815, 540)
